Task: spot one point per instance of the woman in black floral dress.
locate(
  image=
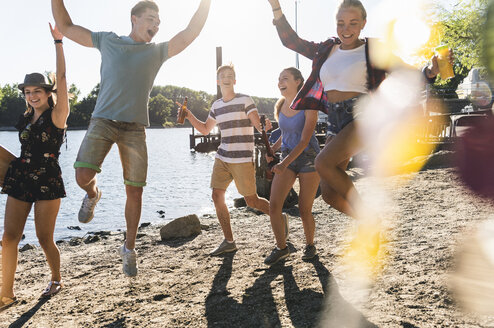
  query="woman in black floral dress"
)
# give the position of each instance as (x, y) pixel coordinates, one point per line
(35, 177)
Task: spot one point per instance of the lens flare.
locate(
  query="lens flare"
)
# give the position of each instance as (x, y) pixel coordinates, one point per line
(365, 255)
(405, 31)
(472, 281)
(393, 125)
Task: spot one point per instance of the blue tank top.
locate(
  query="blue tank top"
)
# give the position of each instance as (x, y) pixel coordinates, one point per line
(291, 131)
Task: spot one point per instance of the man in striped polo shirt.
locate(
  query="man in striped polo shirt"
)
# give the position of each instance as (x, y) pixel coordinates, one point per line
(235, 114)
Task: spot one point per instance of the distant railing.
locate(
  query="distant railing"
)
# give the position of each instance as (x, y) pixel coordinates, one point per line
(447, 117)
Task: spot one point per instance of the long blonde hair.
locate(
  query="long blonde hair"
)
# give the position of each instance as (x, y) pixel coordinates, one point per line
(297, 75)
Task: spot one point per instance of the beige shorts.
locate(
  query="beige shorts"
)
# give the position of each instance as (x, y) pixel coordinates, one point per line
(243, 174)
(131, 141)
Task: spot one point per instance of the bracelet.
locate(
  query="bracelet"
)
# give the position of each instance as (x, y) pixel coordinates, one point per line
(277, 8)
(58, 41)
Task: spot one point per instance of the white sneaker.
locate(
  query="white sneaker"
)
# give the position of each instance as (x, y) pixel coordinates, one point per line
(129, 261)
(86, 213)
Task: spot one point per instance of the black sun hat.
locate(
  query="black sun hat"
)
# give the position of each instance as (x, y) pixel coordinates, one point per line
(36, 80)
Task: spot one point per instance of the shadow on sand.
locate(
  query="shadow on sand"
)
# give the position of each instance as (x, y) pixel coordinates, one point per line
(26, 316)
(258, 308)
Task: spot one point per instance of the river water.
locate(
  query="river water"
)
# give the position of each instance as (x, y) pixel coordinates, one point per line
(178, 184)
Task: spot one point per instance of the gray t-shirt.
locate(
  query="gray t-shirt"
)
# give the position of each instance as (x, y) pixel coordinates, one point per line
(128, 70)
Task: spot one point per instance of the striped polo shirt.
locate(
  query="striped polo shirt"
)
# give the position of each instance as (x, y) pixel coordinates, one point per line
(237, 132)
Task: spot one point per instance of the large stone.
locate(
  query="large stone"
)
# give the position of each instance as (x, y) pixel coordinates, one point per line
(183, 227)
(239, 202)
(26, 247)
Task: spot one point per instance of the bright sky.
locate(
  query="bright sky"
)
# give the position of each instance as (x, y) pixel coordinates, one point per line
(243, 28)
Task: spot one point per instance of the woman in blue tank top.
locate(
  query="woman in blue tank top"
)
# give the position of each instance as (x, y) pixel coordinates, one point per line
(299, 148)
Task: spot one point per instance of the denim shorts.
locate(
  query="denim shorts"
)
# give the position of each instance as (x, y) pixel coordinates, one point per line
(131, 141)
(304, 163)
(340, 114)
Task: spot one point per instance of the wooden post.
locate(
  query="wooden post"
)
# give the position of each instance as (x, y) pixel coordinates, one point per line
(219, 60)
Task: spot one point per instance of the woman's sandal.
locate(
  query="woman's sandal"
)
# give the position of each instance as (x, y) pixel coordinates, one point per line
(52, 289)
(7, 302)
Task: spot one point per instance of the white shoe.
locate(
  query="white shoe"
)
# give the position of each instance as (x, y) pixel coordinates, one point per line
(129, 261)
(86, 213)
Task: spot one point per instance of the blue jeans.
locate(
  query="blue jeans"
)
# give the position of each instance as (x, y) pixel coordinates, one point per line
(340, 114)
(304, 163)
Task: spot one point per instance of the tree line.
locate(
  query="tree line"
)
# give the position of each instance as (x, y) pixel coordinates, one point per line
(461, 28)
(162, 105)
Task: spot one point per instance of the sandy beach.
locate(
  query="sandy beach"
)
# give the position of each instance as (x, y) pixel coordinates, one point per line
(426, 215)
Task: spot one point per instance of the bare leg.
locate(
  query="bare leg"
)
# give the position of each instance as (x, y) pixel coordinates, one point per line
(222, 213)
(45, 216)
(133, 207)
(257, 202)
(331, 197)
(308, 189)
(280, 187)
(86, 179)
(342, 147)
(16, 213)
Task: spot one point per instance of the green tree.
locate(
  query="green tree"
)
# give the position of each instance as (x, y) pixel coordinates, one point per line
(81, 112)
(159, 110)
(74, 94)
(198, 102)
(265, 106)
(12, 104)
(461, 28)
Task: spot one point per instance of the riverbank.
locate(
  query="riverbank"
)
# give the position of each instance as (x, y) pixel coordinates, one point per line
(179, 285)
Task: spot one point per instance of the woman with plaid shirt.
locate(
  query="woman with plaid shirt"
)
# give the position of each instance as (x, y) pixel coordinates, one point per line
(341, 72)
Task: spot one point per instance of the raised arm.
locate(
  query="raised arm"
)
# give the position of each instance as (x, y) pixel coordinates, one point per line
(182, 40)
(288, 36)
(64, 23)
(275, 6)
(61, 110)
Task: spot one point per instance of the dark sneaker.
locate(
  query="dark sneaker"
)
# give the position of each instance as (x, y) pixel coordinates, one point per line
(129, 261)
(86, 213)
(224, 247)
(287, 227)
(309, 252)
(277, 255)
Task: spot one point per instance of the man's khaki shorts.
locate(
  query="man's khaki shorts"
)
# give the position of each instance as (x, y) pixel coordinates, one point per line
(131, 141)
(243, 174)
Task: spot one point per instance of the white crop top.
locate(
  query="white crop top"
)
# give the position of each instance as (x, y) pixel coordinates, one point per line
(345, 70)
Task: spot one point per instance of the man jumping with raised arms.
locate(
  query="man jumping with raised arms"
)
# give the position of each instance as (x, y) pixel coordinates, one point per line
(129, 65)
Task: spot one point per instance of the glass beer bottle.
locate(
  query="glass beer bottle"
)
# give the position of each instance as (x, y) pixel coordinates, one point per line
(182, 112)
